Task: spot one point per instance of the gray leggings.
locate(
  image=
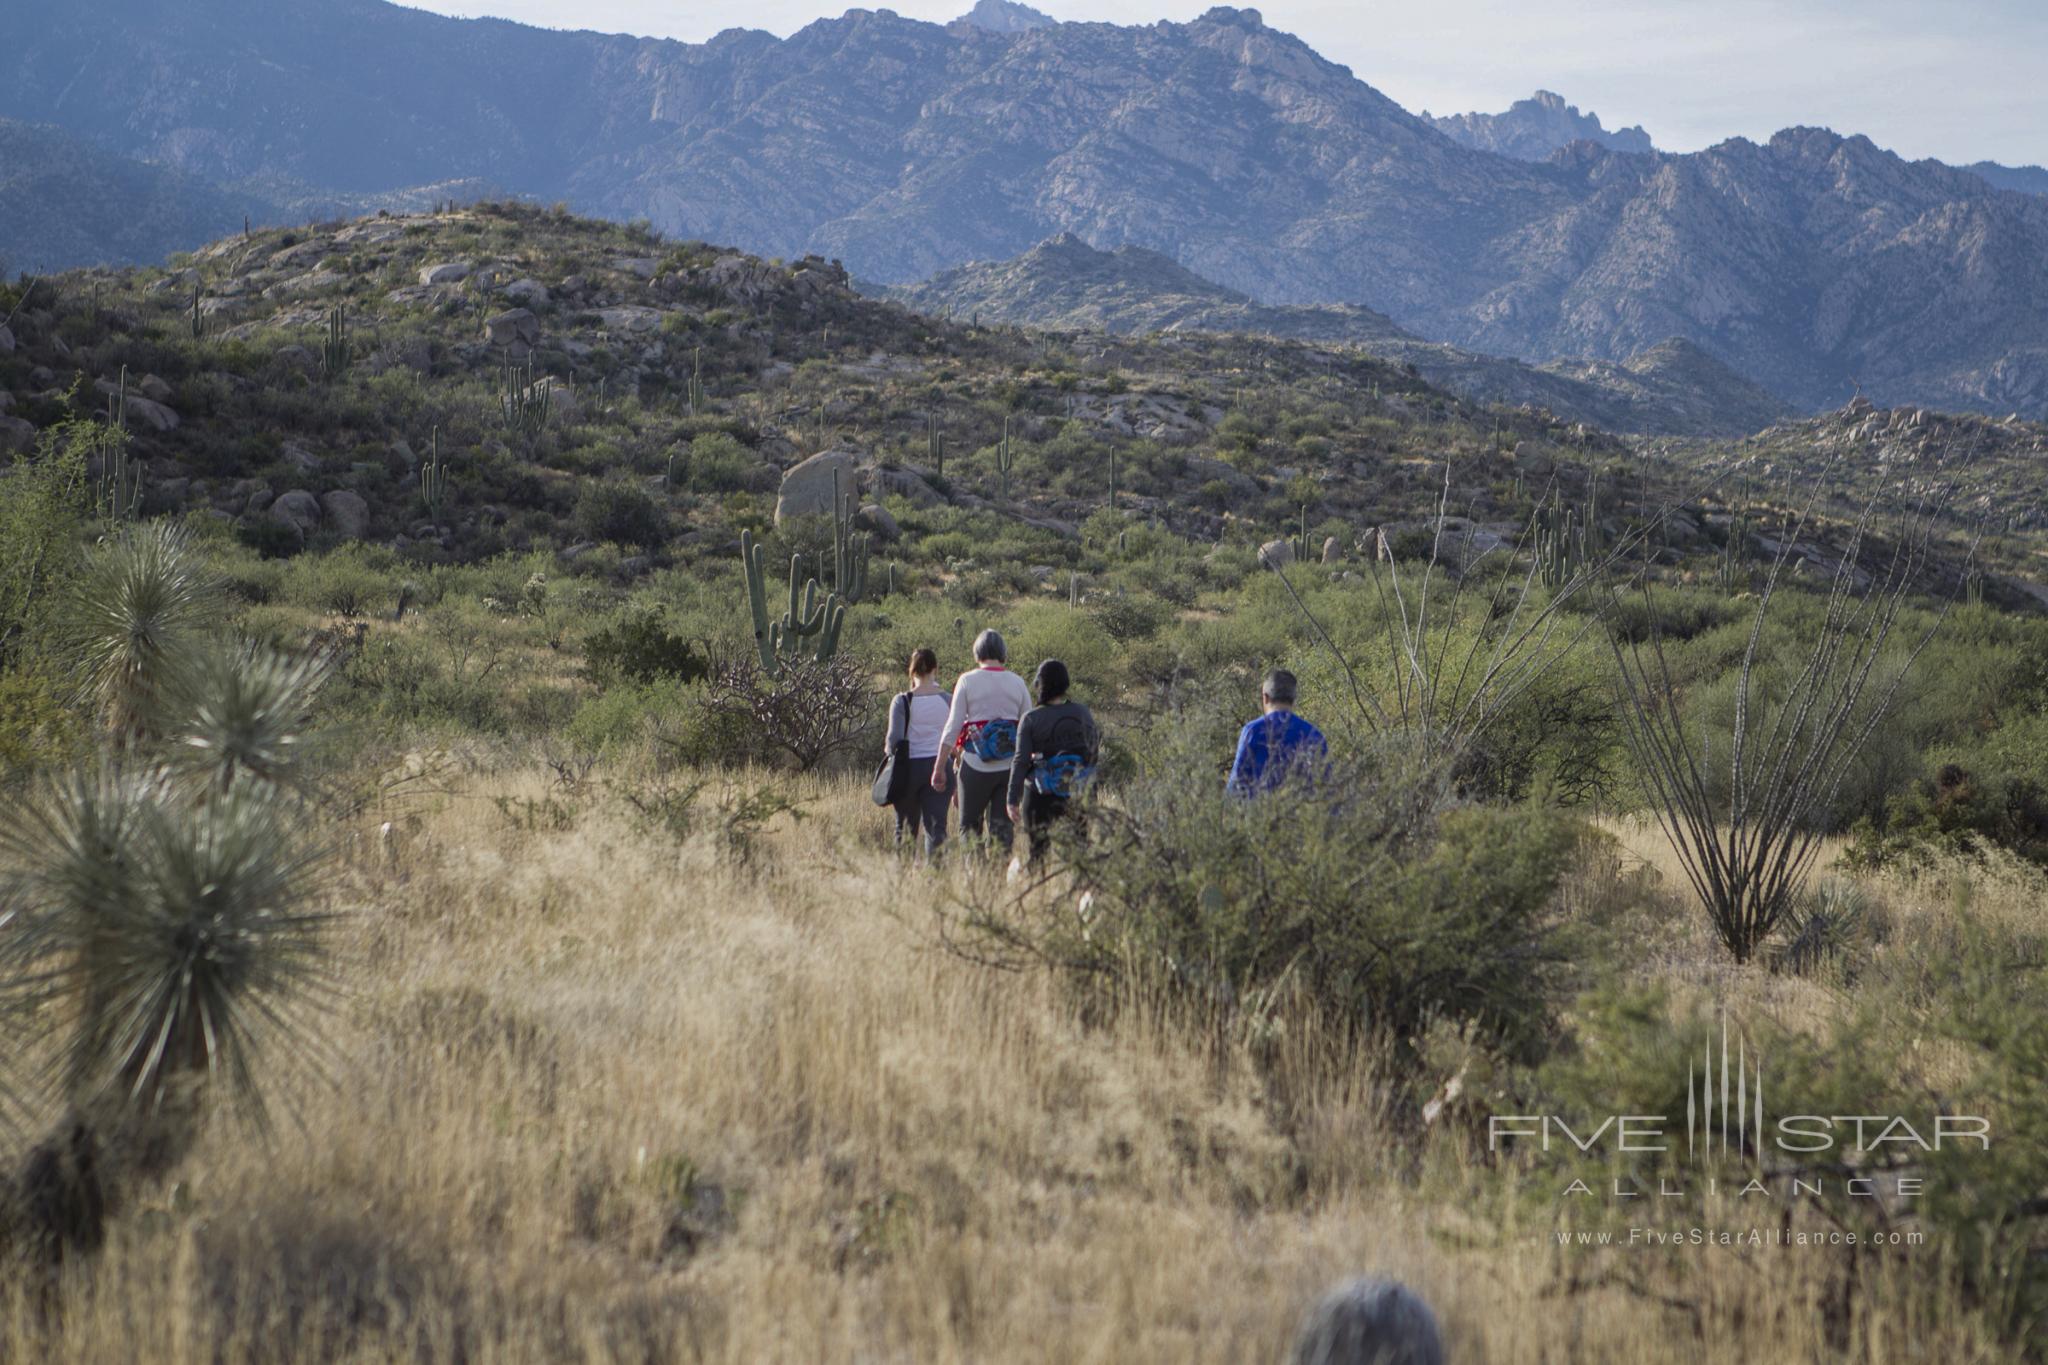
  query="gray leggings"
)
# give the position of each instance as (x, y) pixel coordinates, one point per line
(920, 805)
(984, 794)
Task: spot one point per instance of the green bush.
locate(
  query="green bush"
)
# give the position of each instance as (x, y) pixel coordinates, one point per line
(639, 648)
(620, 512)
(1367, 896)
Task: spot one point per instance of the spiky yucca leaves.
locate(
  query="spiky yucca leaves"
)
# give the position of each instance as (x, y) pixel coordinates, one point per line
(142, 605)
(245, 713)
(173, 938)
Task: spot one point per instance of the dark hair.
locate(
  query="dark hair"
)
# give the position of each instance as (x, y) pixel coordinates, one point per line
(989, 645)
(1051, 682)
(923, 662)
(1280, 686)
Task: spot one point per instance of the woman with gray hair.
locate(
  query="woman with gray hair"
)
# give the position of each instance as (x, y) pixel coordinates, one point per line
(981, 738)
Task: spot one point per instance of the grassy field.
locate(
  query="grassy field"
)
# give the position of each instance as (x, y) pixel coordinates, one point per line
(602, 1095)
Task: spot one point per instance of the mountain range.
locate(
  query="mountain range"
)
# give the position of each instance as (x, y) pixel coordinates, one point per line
(1813, 263)
(1532, 129)
(1673, 388)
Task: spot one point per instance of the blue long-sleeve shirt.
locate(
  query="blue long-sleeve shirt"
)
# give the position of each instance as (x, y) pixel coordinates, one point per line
(1273, 748)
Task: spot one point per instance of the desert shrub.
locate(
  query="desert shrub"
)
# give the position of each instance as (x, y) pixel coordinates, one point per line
(1125, 618)
(619, 512)
(639, 648)
(814, 710)
(42, 513)
(1368, 896)
(348, 582)
(717, 463)
(1957, 810)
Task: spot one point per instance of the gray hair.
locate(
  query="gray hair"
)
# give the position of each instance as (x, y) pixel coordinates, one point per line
(1369, 1322)
(989, 645)
(1280, 686)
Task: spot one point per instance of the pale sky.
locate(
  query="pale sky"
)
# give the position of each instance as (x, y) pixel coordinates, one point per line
(1957, 79)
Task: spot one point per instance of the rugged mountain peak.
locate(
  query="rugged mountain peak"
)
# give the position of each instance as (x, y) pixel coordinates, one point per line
(1532, 129)
(1005, 16)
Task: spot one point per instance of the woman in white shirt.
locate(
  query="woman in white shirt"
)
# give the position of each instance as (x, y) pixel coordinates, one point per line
(981, 729)
(918, 718)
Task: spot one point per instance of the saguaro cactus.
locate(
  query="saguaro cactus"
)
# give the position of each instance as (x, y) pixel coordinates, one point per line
(849, 547)
(338, 350)
(809, 616)
(934, 444)
(434, 478)
(198, 317)
(1733, 570)
(1006, 456)
(528, 398)
(117, 489)
(1567, 538)
(696, 390)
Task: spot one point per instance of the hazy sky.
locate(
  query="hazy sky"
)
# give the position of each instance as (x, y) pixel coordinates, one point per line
(1958, 79)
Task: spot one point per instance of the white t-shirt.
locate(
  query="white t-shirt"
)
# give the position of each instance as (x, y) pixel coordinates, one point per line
(988, 693)
(926, 717)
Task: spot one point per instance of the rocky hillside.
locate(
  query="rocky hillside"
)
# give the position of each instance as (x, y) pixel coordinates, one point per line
(1671, 389)
(1531, 129)
(586, 387)
(1812, 263)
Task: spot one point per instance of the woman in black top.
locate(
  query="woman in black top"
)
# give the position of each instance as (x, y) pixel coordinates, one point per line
(1056, 749)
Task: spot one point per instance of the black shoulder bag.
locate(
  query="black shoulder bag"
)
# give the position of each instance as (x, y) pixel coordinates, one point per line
(895, 769)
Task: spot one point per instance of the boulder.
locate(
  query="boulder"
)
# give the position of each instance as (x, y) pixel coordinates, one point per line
(299, 458)
(640, 266)
(153, 387)
(6, 400)
(527, 293)
(1276, 554)
(346, 512)
(516, 329)
(146, 411)
(16, 434)
(259, 499)
(447, 272)
(1332, 551)
(875, 517)
(1369, 1321)
(808, 488)
(630, 318)
(6, 340)
(297, 357)
(298, 510)
(906, 483)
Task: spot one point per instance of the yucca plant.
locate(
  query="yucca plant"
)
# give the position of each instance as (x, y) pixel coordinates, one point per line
(142, 605)
(244, 713)
(172, 939)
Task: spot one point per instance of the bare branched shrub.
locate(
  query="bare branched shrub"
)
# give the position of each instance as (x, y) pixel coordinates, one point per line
(817, 708)
(1747, 843)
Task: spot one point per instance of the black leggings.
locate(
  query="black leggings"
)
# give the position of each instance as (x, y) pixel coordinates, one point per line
(984, 794)
(920, 805)
(1040, 811)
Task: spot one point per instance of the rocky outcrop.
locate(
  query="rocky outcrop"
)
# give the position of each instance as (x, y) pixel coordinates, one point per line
(346, 513)
(515, 331)
(1531, 129)
(808, 487)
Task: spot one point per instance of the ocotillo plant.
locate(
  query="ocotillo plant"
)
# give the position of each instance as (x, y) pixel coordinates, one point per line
(1006, 456)
(434, 478)
(338, 349)
(528, 399)
(807, 617)
(849, 547)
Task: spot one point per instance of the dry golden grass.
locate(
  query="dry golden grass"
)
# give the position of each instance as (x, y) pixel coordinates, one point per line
(608, 1098)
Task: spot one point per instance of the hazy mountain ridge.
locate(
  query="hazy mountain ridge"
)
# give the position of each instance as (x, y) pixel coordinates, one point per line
(1063, 283)
(1812, 262)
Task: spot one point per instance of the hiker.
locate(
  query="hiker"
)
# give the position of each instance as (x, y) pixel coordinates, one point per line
(1279, 745)
(980, 737)
(917, 718)
(1056, 750)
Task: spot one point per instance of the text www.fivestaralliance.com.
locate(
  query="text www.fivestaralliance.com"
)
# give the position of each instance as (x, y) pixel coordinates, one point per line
(1736, 1237)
